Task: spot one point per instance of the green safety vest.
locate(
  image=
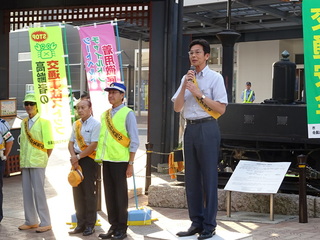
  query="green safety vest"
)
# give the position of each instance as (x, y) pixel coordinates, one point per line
(31, 157)
(108, 148)
(249, 100)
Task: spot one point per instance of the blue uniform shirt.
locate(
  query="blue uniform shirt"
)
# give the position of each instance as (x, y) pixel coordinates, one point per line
(5, 132)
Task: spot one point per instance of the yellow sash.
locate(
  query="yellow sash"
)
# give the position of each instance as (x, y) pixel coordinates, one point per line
(118, 136)
(204, 106)
(81, 143)
(35, 143)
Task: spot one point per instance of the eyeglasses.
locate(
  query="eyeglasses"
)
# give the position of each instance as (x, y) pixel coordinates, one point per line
(198, 52)
(29, 103)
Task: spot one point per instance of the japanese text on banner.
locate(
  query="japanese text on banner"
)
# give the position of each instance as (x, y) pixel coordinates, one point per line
(50, 81)
(101, 62)
(311, 32)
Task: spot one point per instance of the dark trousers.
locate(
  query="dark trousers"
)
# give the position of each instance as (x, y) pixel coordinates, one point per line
(116, 194)
(201, 152)
(2, 168)
(85, 200)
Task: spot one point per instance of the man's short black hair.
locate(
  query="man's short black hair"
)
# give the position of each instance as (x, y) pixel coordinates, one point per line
(203, 43)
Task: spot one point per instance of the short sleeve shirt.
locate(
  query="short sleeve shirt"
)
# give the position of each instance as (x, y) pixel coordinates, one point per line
(5, 132)
(211, 85)
(90, 131)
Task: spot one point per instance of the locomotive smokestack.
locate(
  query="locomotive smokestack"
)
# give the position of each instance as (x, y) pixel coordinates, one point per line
(284, 80)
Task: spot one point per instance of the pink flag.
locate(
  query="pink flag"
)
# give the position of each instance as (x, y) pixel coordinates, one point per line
(99, 50)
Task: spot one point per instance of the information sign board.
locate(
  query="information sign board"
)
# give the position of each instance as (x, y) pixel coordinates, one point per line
(257, 177)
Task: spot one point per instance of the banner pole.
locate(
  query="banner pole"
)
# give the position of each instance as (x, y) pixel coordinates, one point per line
(119, 50)
(64, 32)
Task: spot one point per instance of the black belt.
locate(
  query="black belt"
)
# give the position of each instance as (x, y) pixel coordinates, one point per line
(202, 120)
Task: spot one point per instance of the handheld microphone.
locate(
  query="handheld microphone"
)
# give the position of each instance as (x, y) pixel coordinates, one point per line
(192, 68)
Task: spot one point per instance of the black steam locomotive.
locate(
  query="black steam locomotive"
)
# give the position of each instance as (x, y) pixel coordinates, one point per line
(273, 131)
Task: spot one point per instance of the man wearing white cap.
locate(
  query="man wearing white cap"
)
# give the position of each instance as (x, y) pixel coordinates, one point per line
(117, 145)
(34, 155)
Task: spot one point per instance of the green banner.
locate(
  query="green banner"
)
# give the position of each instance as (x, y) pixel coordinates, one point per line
(50, 81)
(311, 41)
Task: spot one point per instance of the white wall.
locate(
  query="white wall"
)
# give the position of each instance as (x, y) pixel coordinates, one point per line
(293, 46)
(255, 64)
(255, 61)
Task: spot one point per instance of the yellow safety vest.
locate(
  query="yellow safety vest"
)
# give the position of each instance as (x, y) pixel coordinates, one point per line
(249, 100)
(32, 154)
(109, 148)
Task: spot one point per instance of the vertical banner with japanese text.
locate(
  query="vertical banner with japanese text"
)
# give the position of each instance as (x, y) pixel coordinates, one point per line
(50, 81)
(311, 42)
(99, 50)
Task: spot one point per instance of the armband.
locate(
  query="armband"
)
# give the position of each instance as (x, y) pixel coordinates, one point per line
(7, 135)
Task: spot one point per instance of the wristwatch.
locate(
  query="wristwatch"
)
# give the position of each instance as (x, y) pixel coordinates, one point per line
(131, 162)
(202, 97)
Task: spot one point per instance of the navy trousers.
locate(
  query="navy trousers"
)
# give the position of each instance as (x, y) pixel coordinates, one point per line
(85, 199)
(201, 153)
(116, 194)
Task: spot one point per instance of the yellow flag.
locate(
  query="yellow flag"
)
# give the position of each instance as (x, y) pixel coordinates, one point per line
(50, 83)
